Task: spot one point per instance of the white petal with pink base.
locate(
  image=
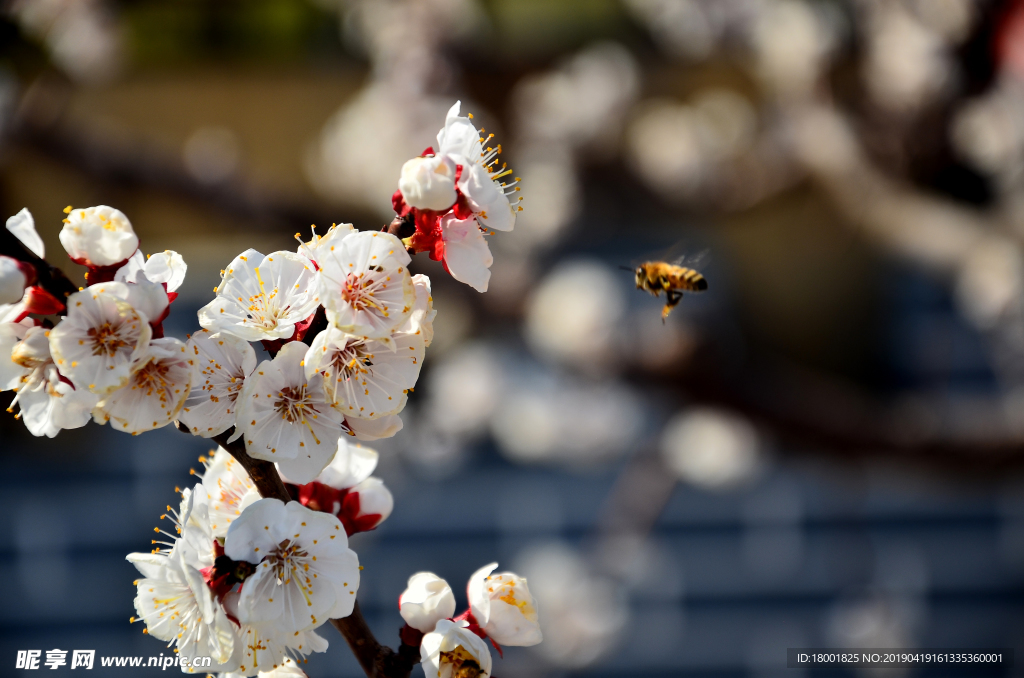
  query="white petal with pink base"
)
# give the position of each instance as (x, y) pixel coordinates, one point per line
(365, 378)
(466, 253)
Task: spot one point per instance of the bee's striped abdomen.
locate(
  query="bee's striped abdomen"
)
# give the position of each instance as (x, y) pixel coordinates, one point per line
(690, 280)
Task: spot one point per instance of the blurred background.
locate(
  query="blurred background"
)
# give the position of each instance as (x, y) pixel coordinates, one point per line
(825, 449)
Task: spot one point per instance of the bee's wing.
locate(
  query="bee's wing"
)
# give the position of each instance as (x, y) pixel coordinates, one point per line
(664, 254)
(694, 260)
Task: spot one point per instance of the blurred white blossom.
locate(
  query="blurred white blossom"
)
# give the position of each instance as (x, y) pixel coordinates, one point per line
(711, 448)
(567, 422)
(907, 63)
(574, 314)
(464, 389)
(584, 614)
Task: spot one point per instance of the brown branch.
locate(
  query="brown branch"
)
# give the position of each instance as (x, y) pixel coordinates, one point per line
(378, 661)
(263, 473)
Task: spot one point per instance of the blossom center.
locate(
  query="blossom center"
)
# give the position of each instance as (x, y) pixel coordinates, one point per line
(263, 310)
(291, 562)
(358, 290)
(106, 339)
(293, 403)
(351, 361)
(225, 388)
(507, 593)
(153, 377)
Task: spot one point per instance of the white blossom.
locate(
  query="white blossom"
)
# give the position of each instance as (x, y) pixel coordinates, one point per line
(481, 178)
(13, 328)
(428, 182)
(23, 226)
(100, 341)
(365, 378)
(167, 268)
(98, 236)
(286, 670)
(374, 429)
(262, 298)
(375, 504)
(318, 246)
(466, 254)
(11, 373)
(486, 196)
(173, 599)
(305, 572)
(148, 299)
(13, 280)
(220, 364)
(229, 488)
(351, 465)
(451, 645)
(155, 392)
(47, 403)
(261, 650)
(365, 284)
(427, 599)
(422, 317)
(503, 607)
(254, 649)
(286, 419)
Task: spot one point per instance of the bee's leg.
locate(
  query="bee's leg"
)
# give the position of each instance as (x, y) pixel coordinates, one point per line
(672, 298)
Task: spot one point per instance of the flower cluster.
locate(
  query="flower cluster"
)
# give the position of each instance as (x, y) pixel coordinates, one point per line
(456, 195)
(247, 592)
(247, 579)
(107, 357)
(501, 610)
(367, 321)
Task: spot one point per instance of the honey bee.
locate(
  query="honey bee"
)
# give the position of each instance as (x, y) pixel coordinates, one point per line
(659, 276)
(468, 669)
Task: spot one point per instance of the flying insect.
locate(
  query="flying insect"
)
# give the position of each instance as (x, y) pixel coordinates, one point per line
(672, 279)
